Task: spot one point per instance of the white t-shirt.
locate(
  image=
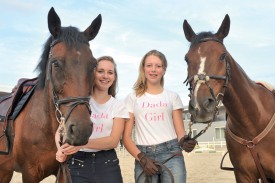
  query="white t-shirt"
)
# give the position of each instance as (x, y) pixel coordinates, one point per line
(153, 116)
(102, 117)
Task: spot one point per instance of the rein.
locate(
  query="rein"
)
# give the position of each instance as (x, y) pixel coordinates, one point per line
(251, 145)
(148, 179)
(71, 102)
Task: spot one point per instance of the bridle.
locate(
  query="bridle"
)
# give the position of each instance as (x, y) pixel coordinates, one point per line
(71, 102)
(203, 78)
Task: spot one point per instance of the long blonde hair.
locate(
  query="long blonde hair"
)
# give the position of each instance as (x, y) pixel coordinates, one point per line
(113, 88)
(140, 85)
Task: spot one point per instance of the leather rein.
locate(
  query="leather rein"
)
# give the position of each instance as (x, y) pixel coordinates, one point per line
(162, 167)
(71, 102)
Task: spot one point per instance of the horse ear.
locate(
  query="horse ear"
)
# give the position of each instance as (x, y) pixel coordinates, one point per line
(224, 28)
(188, 31)
(54, 23)
(93, 29)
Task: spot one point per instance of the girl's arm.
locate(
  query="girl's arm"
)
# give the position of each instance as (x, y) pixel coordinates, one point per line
(127, 137)
(109, 142)
(178, 123)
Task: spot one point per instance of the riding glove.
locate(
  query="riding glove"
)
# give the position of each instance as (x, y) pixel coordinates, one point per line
(147, 164)
(187, 144)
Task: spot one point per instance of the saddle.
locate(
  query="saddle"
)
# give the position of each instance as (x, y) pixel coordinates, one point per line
(11, 104)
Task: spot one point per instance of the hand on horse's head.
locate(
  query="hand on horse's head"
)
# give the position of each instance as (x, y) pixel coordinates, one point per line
(187, 144)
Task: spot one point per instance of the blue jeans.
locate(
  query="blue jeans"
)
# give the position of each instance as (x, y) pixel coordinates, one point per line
(95, 167)
(160, 153)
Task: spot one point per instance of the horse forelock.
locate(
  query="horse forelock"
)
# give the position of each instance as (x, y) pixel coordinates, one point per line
(71, 37)
(196, 40)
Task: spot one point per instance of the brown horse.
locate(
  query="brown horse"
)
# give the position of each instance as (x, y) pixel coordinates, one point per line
(61, 96)
(215, 77)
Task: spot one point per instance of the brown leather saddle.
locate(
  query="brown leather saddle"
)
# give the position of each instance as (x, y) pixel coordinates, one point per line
(10, 106)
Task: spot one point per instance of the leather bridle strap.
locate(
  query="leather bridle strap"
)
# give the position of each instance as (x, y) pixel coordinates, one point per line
(251, 145)
(66, 173)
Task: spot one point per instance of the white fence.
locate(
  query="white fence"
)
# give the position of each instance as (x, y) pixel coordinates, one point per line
(212, 144)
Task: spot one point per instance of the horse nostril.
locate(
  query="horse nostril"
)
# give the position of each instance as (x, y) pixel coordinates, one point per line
(209, 104)
(72, 129)
(191, 106)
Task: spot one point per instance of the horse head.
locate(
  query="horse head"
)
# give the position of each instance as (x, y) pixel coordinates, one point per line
(66, 70)
(208, 71)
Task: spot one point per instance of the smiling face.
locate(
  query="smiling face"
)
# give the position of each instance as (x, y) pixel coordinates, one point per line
(104, 75)
(153, 70)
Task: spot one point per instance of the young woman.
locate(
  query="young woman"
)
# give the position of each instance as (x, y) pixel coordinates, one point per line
(156, 114)
(97, 160)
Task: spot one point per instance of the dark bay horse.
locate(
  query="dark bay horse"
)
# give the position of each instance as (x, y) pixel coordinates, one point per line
(61, 97)
(215, 77)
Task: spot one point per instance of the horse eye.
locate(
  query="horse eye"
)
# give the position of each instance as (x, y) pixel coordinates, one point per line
(222, 57)
(55, 63)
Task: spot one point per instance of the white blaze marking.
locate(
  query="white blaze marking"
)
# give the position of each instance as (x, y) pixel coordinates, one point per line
(78, 53)
(200, 71)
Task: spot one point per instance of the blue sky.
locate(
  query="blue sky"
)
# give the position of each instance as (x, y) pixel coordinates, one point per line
(132, 28)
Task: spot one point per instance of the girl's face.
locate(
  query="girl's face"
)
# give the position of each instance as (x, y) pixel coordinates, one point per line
(104, 75)
(153, 69)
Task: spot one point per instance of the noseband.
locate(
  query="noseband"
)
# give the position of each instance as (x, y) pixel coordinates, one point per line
(72, 102)
(203, 78)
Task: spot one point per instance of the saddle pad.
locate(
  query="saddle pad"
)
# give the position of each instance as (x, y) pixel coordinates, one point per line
(267, 86)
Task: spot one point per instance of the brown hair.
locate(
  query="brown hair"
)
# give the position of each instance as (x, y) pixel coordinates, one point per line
(140, 86)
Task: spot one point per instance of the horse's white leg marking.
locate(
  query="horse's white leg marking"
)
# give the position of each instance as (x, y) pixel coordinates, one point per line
(200, 71)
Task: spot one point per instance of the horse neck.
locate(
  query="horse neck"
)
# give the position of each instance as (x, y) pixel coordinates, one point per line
(43, 111)
(248, 106)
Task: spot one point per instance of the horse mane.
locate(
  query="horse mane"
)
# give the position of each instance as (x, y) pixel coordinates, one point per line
(71, 36)
(200, 36)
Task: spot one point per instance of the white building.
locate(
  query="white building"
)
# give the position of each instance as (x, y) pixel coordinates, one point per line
(214, 133)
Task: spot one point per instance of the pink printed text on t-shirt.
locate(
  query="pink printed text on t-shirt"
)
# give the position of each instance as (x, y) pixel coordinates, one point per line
(152, 116)
(99, 116)
(154, 105)
(98, 128)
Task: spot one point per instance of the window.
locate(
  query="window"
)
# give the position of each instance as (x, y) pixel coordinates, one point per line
(219, 133)
(194, 132)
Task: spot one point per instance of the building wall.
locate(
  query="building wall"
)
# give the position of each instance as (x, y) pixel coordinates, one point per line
(214, 133)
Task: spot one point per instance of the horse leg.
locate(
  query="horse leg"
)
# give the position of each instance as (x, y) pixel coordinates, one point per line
(6, 172)
(5, 177)
(242, 177)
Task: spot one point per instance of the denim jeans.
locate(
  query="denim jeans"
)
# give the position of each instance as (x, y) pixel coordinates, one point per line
(160, 153)
(95, 167)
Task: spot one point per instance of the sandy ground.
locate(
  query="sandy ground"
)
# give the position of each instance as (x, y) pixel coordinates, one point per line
(202, 167)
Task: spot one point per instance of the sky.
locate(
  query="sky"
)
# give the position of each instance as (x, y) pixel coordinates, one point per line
(131, 28)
